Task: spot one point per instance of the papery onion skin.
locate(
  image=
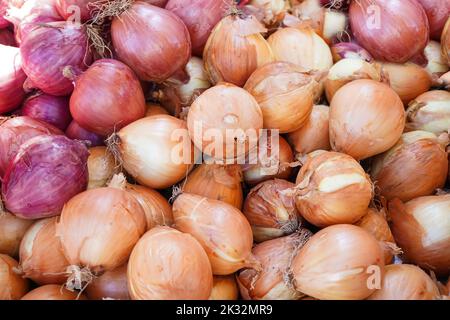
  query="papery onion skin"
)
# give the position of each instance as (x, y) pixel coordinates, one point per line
(420, 227)
(120, 97)
(53, 292)
(12, 79)
(437, 12)
(221, 229)
(12, 285)
(7, 38)
(445, 42)
(349, 50)
(416, 166)
(169, 265)
(12, 230)
(55, 164)
(52, 52)
(224, 288)
(391, 30)
(110, 285)
(138, 40)
(76, 132)
(101, 167)
(71, 8)
(366, 118)
(336, 263)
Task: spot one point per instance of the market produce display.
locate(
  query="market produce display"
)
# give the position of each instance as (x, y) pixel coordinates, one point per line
(224, 149)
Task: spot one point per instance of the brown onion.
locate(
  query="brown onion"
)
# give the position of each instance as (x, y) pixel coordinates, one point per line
(366, 118)
(101, 167)
(12, 285)
(12, 230)
(445, 42)
(110, 285)
(53, 292)
(416, 166)
(169, 265)
(224, 288)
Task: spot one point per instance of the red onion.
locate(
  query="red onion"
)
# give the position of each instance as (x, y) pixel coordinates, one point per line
(53, 54)
(7, 38)
(391, 30)
(3, 7)
(46, 172)
(349, 50)
(76, 132)
(154, 42)
(158, 3)
(50, 109)
(437, 12)
(200, 17)
(119, 99)
(66, 8)
(12, 79)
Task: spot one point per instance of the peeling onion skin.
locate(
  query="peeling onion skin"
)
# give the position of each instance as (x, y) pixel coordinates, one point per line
(420, 227)
(101, 167)
(53, 292)
(169, 265)
(12, 230)
(110, 285)
(224, 288)
(12, 285)
(12, 78)
(406, 282)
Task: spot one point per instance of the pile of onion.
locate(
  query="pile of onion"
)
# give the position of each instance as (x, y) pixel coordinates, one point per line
(53, 292)
(76, 132)
(110, 285)
(224, 288)
(12, 285)
(12, 230)
(12, 79)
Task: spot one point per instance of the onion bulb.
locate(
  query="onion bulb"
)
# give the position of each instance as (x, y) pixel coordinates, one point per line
(271, 213)
(101, 167)
(445, 42)
(437, 12)
(349, 50)
(420, 227)
(169, 265)
(416, 166)
(154, 110)
(224, 288)
(12, 230)
(76, 132)
(110, 285)
(435, 63)
(273, 11)
(12, 285)
(12, 79)
(53, 292)
(366, 118)
(221, 229)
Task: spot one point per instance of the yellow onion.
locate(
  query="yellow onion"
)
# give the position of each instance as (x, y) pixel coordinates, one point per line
(348, 70)
(224, 288)
(420, 227)
(408, 80)
(217, 182)
(285, 94)
(406, 282)
(302, 47)
(273, 281)
(314, 135)
(110, 285)
(221, 229)
(332, 188)
(154, 109)
(430, 112)
(41, 256)
(101, 167)
(12, 285)
(53, 292)
(366, 118)
(341, 262)
(148, 150)
(435, 61)
(197, 83)
(225, 122)
(271, 213)
(272, 11)
(12, 230)
(416, 166)
(445, 42)
(235, 49)
(169, 265)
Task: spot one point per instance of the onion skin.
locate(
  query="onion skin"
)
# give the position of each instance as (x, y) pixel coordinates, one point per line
(53, 292)
(445, 42)
(52, 163)
(76, 132)
(169, 265)
(349, 50)
(139, 43)
(403, 31)
(437, 12)
(221, 229)
(12, 286)
(66, 9)
(7, 38)
(416, 166)
(368, 123)
(406, 282)
(110, 285)
(12, 230)
(420, 228)
(12, 79)
(224, 288)
(101, 167)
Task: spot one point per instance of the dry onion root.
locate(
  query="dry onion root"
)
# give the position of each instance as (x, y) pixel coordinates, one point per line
(224, 288)
(53, 292)
(12, 285)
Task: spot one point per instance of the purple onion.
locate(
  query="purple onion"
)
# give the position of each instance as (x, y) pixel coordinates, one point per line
(350, 50)
(46, 173)
(7, 38)
(76, 132)
(12, 79)
(50, 109)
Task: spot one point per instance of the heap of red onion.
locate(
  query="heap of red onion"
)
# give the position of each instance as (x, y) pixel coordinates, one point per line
(76, 132)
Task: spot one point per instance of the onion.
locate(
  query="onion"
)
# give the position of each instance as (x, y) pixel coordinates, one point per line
(74, 9)
(236, 49)
(217, 182)
(221, 229)
(200, 17)
(445, 42)
(314, 135)
(47, 108)
(273, 11)
(54, 53)
(148, 150)
(228, 114)
(154, 110)
(420, 227)
(391, 30)
(76, 132)
(285, 94)
(437, 12)
(169, 265)
(271, 213)
(366, 118)
(16, 131)
(224, 288)
(12, 230)
(158, 3)
(138, 40)
(273, 282)
(7, 38)
(101, 167)
(406, 282)
(53, 292)
(110, 285)
(436, 64)
(12, 79)
(55, 164)
(41, 256)
(349, 50)
(12, 286)
(430, 112)
(332, 188)
(416, 166)
(3, 8)
(301, 47)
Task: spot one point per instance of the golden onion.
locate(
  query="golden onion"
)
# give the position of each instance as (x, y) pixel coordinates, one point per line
(224, 288)
(53, 292)
(12, 285)
(12, 230)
